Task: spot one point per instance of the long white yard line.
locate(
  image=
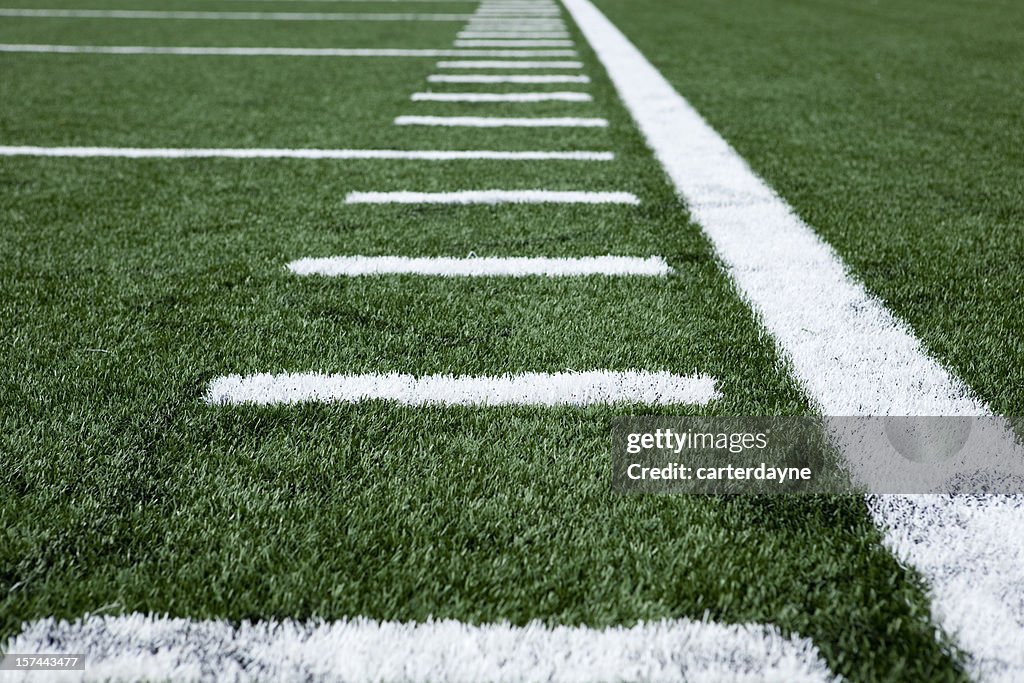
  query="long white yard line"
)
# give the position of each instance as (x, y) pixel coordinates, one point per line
(465, 42)
(275, 51)
(142, 647)
(597, 387)
(498, 64)
(521, 35)
(501, 97)
(257, 153)
(500, 122)
(850, 353)
(226, 16)
(492, 197)
(507, 78)
(506, 266)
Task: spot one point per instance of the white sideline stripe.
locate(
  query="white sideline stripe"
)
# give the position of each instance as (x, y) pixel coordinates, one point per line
(501, 97)
(142, 647)
(500, 122)
(468, 64)
(850, 353)
(226, 16)
(521, 35)
(531, 388)
(275, 51)
(653, 266)
(492, 197)
(251, 153)
(512, 43)
(510, 78)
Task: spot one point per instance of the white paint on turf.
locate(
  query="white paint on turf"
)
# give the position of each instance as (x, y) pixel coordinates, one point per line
(273, 51)
(501, 97)
(512, 43)
(507, 266)
(255, 153)
(850, 353)
(225, 16)
(141, 647)
(497, 64)
(492, 197)
(598, 387)
(507, 78)
(514, 34)
(500, 122)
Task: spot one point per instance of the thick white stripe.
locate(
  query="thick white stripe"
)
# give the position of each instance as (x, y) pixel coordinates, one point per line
(531, 388)
(499, 122)
(492, 197)
(140, 647)
(466, 64)
(850, 353)
(513, 43)
(220, 16)
(653, 266)
(244, 153)
(501, 97)
(509, 78)
(274, 51)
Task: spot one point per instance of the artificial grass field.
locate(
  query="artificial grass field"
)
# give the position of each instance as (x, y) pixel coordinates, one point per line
(130, 284)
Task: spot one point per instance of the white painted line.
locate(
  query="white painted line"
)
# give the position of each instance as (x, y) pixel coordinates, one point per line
(352, 266)
(225, 16)
(501, 97)
(274, 51)
(492, 197)
(469, 64)
(512, 43)
(500, 122)
(509, 78)
(849, 352)
(256, 153)
(140, 647)
(599, 387)
(522, 35)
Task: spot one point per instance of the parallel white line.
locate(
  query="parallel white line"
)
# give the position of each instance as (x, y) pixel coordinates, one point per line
(850, 353)
(225, 16)
(507, 266)
(507, 78)
(501, 97)
(501, 122)
(522, 35)
(496, 64)
(137, 647)
(275, 51)
(492, 197)
(463, 42)
(598, 387)
(256, 153)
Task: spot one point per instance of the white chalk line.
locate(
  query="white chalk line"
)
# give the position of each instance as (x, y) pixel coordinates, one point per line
(525, 97)
(520, 35)
(143, 647)
(255, 153)
(498, 64)
(492, 197)
(504, 266)
(848, 351)
(273, 51)
(512, 43)
(599, 387)
(509, 78)
(226, 16)
(500, 122)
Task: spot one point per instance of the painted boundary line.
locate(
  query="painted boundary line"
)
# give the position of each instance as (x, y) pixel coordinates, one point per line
(501, 97)
(508, 65)
(274, 51)
(500, 122)
(492, 197)
(211, 153)
(225, 16)
(508, 78)
(598, 387)
(848, 351)
(509, 266)
(140, 647)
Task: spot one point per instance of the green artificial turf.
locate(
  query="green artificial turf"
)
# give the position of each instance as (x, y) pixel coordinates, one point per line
(129, 285)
